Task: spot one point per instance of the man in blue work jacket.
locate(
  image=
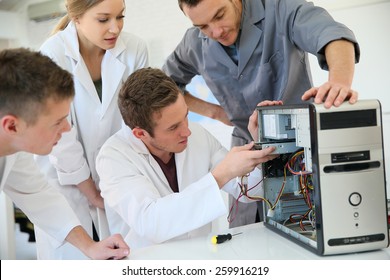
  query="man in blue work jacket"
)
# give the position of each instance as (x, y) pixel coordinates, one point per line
(248, 51)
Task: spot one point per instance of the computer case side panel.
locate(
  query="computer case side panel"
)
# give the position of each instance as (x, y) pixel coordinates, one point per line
(316, 180)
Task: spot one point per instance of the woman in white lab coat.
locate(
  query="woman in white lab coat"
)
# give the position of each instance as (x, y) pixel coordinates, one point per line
(90, 45)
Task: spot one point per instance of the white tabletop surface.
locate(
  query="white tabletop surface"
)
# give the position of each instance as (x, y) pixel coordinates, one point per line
(255, 242)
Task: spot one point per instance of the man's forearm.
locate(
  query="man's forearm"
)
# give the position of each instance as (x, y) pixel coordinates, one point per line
(200, 106)
(340, 57)
(79, 238)
(207, 109)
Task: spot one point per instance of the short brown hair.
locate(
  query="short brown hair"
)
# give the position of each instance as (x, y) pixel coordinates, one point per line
(143, 95)
(28, 80)
(189, 3)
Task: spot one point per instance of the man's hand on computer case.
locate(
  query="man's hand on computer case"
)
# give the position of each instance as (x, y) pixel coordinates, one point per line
(253, 119)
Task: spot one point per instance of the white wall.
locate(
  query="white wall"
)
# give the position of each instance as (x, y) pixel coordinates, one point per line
(11, 29)
(371, 24)
(11, 19)
(160, 23)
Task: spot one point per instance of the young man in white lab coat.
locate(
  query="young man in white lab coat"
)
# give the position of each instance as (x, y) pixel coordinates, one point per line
(35, 97)
(161, 176)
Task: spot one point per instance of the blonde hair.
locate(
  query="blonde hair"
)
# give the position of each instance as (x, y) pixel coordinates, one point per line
(75, 9)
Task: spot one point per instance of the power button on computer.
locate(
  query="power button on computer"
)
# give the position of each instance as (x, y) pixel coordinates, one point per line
(355, 199)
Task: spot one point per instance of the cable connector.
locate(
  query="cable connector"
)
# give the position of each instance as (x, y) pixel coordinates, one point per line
(270, 213)
(244, 183)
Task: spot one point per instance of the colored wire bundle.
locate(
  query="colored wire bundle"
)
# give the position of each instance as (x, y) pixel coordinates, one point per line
(244, 192)
(295, 166)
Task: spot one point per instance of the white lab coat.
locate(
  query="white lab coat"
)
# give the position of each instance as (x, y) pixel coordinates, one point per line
(22, 181)
(139, 202)
(73, 159)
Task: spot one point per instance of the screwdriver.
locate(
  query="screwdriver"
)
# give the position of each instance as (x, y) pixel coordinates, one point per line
(218, 239)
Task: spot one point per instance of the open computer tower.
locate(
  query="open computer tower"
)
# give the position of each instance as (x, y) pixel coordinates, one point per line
(326, 189)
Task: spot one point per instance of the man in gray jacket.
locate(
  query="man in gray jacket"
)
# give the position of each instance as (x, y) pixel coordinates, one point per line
(248, 51)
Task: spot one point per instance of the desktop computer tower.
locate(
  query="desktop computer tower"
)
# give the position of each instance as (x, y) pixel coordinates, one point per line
(326, 189)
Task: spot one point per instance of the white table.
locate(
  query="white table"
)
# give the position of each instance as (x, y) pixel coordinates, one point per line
(255, 243)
